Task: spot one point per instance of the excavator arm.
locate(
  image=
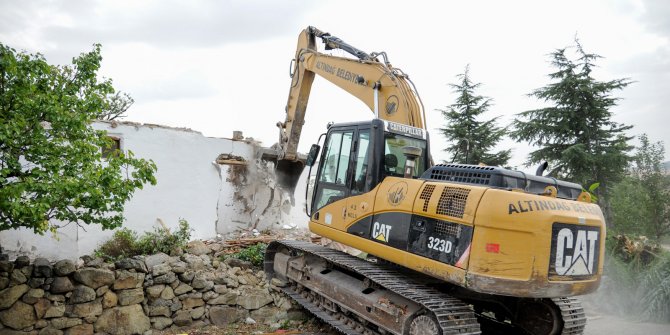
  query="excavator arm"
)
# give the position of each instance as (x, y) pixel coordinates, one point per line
(386, 90)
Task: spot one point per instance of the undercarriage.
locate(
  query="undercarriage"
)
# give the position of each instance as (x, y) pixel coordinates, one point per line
(356, 296)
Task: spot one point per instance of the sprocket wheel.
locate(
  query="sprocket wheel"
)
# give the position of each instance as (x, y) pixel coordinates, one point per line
(424, 325)
(539, 317)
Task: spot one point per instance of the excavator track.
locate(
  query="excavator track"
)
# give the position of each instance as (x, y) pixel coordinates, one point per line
(574, 318)
(448, 314)
(441, 311)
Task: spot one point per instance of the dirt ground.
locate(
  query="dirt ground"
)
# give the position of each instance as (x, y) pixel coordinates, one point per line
(603, 323)
(597, 325)
(610, 325)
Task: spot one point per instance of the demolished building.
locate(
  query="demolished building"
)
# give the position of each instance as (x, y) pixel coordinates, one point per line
(218, 185)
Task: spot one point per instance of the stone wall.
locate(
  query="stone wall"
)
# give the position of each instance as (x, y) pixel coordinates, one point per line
(136, 295)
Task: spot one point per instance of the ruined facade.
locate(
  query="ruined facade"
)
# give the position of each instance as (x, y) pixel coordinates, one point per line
(216, 184)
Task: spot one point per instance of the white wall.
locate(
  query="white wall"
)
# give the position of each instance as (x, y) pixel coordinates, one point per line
(190, 185)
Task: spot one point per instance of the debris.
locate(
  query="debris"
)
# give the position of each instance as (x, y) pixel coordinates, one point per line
(234, 242)
(230, 159)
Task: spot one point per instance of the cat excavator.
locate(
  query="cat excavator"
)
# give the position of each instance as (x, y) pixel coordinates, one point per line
(450, 248)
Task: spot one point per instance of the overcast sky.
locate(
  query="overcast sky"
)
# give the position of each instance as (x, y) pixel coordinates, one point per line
(219, 66)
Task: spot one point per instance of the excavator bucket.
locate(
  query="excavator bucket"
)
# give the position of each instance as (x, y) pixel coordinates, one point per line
(287, 171)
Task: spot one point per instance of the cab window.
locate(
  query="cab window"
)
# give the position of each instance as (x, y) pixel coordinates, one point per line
(394, 159)
(335, 169)
(361, 170)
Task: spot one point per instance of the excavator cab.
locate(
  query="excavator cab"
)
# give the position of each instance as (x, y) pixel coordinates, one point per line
(358, 156)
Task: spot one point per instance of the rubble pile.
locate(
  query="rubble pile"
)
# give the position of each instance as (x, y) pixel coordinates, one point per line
(137, 295)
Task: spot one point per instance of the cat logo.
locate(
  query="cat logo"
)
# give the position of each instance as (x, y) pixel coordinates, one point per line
(396, 193)
(391, 105)
(381, 232)
(575, 250)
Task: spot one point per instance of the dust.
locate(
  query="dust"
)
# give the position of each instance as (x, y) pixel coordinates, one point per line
(612, 309)
(259, 200)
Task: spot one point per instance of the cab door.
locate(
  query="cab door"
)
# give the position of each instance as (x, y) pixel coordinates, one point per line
(361, 201)
(333, 180)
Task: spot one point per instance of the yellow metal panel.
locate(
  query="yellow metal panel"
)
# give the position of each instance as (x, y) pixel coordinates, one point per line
(358, 207)
(397, 194)
(333, 215)
(425, 265)
(513, 260)
(474, 194)
(512, 240)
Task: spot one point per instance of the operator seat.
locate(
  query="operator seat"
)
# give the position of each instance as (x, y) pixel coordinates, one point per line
(390, 164)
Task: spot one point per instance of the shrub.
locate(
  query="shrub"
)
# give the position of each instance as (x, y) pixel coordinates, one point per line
(162, 240)
(121, 245)
(637, 279)
(126, 243)
(653, 293)
(254, 254)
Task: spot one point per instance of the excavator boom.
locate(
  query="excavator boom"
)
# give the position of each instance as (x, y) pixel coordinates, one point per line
(386, 90)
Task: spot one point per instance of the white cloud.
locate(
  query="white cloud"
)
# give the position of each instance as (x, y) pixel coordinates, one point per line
(219, 66)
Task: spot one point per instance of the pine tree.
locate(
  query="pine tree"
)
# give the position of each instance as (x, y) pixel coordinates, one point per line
(576, 134)
(472, 140)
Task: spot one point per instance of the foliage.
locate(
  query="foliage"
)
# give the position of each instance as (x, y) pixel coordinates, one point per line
(637, 269)
(126, 243)
(117, 106)
(51, 165)
(637, 279)
(472, 140)
(123, 244)
(653, 302)
(592, 192)
(162, 240)
(628, 214)
(286, 324)
(576, 134)
(638, 251)
(641, 201)
(254, 254)
(649, 170)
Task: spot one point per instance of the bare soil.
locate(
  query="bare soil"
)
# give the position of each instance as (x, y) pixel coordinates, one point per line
(609, 325)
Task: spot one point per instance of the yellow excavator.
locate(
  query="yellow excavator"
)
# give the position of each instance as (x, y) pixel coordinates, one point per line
(451, 248)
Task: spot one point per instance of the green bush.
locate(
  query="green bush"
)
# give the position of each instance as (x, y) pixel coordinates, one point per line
(121, 245)
(254, 254)
(126, 243)
(162, 240)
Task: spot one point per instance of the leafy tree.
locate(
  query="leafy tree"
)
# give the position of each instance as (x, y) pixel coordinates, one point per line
(628, 199)
(51, 166)
(472, 140)
(576, 134)
(117, 106)
(641, 202)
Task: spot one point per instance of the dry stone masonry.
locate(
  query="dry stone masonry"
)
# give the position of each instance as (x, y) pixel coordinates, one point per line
(135, 295)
